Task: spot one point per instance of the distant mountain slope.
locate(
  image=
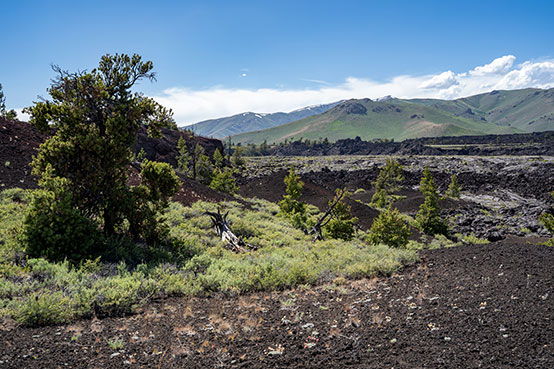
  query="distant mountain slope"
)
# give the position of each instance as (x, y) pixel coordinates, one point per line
(247, 122)
(529, 110)
(391, 118)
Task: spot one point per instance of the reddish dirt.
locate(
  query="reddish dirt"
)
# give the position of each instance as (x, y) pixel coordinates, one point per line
(19, 142)
(488, 306)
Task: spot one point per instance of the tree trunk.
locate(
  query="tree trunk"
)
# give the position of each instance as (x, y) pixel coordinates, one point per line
(235, 244)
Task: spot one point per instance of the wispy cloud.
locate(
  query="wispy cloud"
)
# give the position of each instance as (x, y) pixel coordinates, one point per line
(318, 81)
(191, 106)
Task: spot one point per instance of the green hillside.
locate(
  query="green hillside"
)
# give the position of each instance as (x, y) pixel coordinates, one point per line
(392, 119)
(528, 110)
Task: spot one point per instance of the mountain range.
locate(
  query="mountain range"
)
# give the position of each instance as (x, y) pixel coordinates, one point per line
(246, 122)
(496, 112)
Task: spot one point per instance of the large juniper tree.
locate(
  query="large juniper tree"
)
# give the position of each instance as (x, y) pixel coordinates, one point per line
(96, 118)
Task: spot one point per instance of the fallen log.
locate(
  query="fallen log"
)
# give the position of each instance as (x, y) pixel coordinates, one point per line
(223, 230)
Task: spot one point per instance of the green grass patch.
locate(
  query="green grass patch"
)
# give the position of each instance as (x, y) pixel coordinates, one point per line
(39, 292)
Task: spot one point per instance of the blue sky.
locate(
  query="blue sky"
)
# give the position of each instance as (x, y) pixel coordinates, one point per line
(215, 58)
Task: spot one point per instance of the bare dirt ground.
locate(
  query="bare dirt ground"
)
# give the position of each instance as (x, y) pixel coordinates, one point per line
(489, 306)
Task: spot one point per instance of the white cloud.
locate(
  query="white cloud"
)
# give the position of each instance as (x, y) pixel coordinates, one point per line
(529, 74)
(497, 66)
(441, 81)
(192, 106)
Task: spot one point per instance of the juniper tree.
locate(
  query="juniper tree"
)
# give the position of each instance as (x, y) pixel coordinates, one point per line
(203, 168)
(453, 190)
(224, 181)
(236, 159)
(184, 157)
(387, 182)
(428, 217)
(218, 159)
(290, 206)
(390, 229)
(97, 117)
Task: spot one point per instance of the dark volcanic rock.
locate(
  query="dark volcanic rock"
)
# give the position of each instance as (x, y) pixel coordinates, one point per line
(537, 143)
(164, 149)
(350, 107)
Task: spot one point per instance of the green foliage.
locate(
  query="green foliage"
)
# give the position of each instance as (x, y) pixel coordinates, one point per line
(218, 159)
(454, 189)
(290, 206)
(141, 155)
(224, 181)
(97, 118)
(54, 228)
(13, 203)
(388, 181)
(44, 292)
(184, 157)
(428, 217)
(237, 161)
(161, 181)
(472, 239)
(8, 114)
(341, 226)
(389, 228)
(46, 308)
(380, 199)
(427, 184)
(116, 343)
(158, 183)
(204, 168)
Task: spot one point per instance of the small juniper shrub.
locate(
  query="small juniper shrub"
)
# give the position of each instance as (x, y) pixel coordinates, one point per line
(388, 182)
(218, 159)
(204, 167)
(290, 206)
(341, 226)
(454, 189)
(390, 229)
(237, 160)
(428, 217)
(184, 157)
(224, 181)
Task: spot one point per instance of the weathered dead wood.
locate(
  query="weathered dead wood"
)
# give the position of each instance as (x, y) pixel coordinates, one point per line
(327, 217)
(223, 230)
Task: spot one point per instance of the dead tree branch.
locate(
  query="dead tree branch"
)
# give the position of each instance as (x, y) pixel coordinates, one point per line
(223, 230)
(327, 217)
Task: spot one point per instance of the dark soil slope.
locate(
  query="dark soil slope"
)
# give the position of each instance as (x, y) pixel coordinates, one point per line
(489, 306)
(19, 142)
